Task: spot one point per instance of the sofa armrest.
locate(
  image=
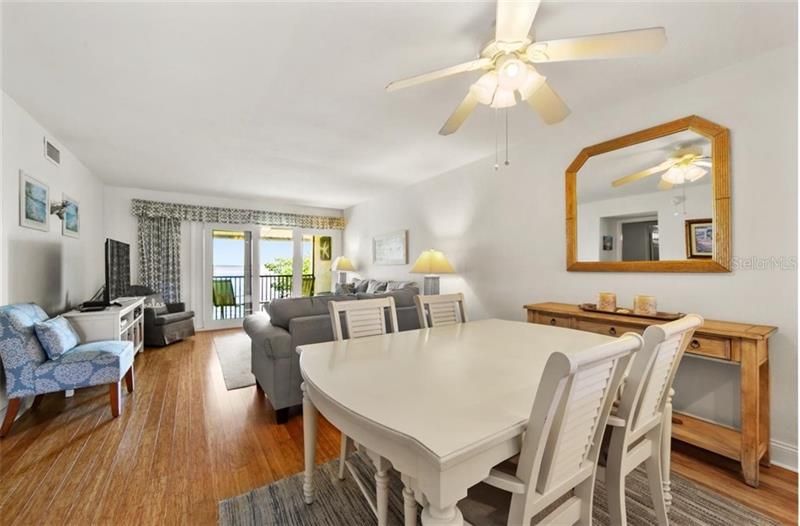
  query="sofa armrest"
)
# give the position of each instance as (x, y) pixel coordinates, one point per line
(149, 317)
(176, 307)
(275, 342)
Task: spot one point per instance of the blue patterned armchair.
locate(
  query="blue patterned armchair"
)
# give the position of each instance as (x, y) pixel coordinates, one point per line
(30, 373)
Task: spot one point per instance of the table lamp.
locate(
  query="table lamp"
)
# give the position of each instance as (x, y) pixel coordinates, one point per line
(432, 263)
(342, 265)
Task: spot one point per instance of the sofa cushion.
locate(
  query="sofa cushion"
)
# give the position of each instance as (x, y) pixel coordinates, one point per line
(345, 288)
(56, 336)
(172, 317)
(94, 363)
(282, 311)
(402, 297)
(398, 285)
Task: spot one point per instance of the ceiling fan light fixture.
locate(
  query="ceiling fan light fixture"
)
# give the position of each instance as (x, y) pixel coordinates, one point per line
(485, 87)
(512, 72)
(694, 172)
(680, 174)
(503, 98)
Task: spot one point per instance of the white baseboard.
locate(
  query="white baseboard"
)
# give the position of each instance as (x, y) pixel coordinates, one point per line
(783, 455)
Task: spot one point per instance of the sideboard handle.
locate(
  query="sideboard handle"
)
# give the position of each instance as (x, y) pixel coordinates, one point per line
(612, 331)
(695, 344)
(552, 321)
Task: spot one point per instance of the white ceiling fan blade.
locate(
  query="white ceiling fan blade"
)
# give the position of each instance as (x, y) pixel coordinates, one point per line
(644, 173)
(703, 163)
(439, 74)
(460, 114)
(514, 20)
(664, 185)
(548, 104)
(604, 46)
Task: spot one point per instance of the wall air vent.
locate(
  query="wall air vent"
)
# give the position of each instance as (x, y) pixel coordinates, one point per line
(52, 152)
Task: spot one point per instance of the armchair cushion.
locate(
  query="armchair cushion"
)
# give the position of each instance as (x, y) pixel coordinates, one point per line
(56, 336)
(20, 349)
(94, 363)
(172, 317)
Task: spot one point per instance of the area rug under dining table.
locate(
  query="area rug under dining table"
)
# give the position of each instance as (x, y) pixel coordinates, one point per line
(340, 503)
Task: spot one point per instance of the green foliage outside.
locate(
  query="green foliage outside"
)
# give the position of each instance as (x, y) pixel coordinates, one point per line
(283, 267)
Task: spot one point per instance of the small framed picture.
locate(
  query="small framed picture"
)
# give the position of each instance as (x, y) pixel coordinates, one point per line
(608, 243)
(699, 238)
(71, 225)
(34, 202)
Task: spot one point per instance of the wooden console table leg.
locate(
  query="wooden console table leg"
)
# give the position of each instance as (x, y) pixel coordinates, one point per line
(750, 412)
(666, 450)
(764, 397)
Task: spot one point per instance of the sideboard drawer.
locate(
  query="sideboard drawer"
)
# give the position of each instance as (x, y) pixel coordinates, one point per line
(555, 320)
(712, 347)
(609, 329)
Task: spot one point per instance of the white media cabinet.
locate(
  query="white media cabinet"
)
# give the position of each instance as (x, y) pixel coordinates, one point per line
(125, 322)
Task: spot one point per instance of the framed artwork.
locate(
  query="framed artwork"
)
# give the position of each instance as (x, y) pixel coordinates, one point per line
(608, 243)
(699, 238)
(71, 224)
(34, 202)
(325, 248)
(391, 248)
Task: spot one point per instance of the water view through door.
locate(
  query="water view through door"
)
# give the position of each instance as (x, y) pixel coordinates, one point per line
(238, 289)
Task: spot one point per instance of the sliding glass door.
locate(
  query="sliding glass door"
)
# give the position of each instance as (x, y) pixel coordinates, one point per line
(249, 266)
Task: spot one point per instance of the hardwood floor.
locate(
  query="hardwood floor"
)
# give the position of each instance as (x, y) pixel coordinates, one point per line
(183, 442)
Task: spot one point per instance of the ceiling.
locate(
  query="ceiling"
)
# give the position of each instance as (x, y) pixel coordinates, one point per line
(285, 100)
(594, 179)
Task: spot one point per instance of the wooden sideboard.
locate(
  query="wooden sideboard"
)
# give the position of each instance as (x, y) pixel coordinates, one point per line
(741, 343)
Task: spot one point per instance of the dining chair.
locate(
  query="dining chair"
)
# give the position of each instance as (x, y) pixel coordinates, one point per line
(444, 309)
(558, 459)
(634, 434)
(362, 318)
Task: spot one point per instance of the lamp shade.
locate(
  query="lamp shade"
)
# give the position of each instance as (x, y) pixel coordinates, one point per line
(343, 264)
(432, 262)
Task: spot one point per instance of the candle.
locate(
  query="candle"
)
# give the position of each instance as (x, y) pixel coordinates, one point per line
(645, 305)
(607, 301)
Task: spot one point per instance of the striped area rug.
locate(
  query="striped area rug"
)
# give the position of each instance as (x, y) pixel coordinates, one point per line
(340, 503)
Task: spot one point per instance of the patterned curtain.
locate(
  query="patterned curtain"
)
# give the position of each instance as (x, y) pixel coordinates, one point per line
(160, 256)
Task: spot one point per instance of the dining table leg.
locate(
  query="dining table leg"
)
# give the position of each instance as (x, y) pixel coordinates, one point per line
(448, 515)
(309, 444)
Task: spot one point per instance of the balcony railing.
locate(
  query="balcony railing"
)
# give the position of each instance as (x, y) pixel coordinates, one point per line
(229, 292)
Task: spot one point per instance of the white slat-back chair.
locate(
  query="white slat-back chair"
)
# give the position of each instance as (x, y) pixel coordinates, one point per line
(563, 437)
(444, 309)
(635, 426)
(365, 318)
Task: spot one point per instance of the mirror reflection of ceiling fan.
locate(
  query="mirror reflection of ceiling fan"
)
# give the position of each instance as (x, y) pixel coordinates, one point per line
(508, 62)
(684, 165)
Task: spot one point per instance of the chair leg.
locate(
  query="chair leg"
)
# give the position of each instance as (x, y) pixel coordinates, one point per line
(11, 413)
(115, 396)
(585, 492)
(344, 449)
(654, 477)
(615, 485)
(37, 401)
(130, 380)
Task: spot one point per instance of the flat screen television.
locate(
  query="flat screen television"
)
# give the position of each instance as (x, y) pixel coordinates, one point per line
(118, 270)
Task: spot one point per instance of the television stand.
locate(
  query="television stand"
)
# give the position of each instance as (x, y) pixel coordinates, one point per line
(122, 320)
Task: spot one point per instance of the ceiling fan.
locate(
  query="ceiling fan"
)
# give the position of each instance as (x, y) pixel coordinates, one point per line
(684, 165)
(508, 64)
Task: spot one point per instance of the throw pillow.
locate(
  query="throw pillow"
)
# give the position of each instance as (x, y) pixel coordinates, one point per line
(345, 288)
(155, 302)
(361, 284)
(56, 336)
(376, 286)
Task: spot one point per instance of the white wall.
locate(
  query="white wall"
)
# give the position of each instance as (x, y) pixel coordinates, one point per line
(45, 267)
(671, 228)
(504, 231)
(122, 226)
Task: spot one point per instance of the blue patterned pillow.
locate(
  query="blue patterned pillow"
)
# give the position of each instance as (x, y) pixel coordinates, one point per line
(56, 336)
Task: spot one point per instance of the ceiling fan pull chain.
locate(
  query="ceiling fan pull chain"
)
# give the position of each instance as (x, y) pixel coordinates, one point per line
(496, 143)
(507, 161)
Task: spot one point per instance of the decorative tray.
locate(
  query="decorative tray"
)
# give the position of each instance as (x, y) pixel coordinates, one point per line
(664, 316)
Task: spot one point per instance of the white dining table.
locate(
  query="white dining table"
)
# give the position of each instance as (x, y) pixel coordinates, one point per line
(443, 405)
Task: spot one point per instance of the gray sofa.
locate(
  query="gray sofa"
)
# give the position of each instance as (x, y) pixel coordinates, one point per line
(290, 322)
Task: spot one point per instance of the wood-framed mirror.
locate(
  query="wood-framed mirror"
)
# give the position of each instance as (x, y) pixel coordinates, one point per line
(657, 200)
